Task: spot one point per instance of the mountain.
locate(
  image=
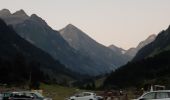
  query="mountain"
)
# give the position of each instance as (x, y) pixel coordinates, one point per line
(121, 52)
(19, 59)
(132, 51)
(160, 44)
(116, 49)
(150, 65)
(15, 18)
(105, 58)
(35, 30)
(152, 70)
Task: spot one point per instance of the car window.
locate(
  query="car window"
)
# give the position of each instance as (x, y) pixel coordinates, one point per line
(79, 95)
(28, 94)
(169, 94)
(149, 95)
(161, 95)
(87, 94)
(6, 94)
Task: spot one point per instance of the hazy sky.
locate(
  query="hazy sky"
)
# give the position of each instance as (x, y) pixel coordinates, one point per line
(121, 22)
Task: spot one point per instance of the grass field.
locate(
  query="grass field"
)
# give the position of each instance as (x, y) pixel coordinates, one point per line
(58, 92)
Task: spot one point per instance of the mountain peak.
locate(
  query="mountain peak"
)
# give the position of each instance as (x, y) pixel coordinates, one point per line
(146, 41)
(71, 29)
(71, 26)
(168, 29)
(20, 13)
(36, 17)
(5, 12)
(117, 49)
(151, 37)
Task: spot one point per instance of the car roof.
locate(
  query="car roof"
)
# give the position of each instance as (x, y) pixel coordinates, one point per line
(157, 91)
(89, 92)
(161, 91)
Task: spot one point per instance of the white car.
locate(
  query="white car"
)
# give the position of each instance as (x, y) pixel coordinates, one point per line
(155, 95)
(84, 96)
(1, 96)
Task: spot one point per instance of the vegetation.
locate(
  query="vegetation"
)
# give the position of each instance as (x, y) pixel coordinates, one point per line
(17, 72)
(153, 70)
(23, 63)
(160, 44)
(58, 92)
(151, 65)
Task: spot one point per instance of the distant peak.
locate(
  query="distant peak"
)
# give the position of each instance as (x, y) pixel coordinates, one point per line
(70, 26)
(152, 37)
(112, 45)
(5, 12)
(35, 16)
(38, 19)
(168, 27)
(20, 13)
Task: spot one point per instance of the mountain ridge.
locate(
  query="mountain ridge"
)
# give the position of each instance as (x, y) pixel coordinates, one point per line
(89, 47)
(14, 49)
(150, 65)
(160, 44)
(39, 33)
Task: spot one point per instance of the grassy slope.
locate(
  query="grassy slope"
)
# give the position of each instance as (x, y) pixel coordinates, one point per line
(99, 82)
(58, 92)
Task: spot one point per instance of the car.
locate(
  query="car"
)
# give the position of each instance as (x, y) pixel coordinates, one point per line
(16, 96)
(23, 95)
(155, 95)
(1, 96)
(99, 98)
(84, 96)
(38, 96)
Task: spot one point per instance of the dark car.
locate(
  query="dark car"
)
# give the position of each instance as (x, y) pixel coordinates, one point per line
(24, 95)
(16, 96)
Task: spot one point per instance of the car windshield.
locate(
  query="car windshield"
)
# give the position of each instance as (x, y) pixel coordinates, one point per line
(150, 95)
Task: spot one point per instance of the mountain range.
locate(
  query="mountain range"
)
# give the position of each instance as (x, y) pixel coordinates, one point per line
(29, 44)
(149, 66)
(130, 53)
(98, 60)
(19, 59)
(85, 45)
(161, 44)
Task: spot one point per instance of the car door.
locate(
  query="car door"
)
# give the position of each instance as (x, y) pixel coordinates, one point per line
(79, 96)
(149, 96)
(162, 96)
(87, 96)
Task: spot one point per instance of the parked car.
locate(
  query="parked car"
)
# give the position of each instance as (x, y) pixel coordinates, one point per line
(99, 98)
(24, 95)
(1, 96)
(16, 96)
(84, 96)
(155, 95)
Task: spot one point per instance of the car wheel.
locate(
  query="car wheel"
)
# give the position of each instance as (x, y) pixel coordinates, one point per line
(90, 99)
(72, 99)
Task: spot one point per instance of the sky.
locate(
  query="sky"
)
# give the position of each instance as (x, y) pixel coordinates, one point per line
(123, 23)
